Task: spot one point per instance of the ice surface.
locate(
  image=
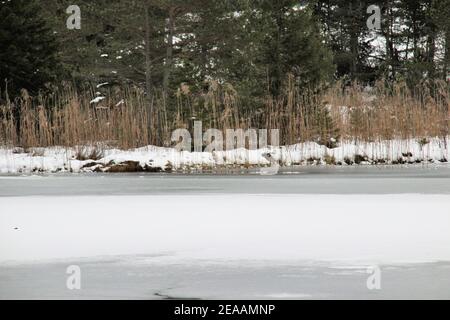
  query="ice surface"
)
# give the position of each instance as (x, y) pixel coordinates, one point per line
(357, 228)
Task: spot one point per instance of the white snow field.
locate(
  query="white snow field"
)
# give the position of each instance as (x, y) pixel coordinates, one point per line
(357, 229)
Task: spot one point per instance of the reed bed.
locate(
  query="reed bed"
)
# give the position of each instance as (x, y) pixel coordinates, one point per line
(127, 118)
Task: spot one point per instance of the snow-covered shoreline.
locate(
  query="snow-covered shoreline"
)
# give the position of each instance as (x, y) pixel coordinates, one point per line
(151, 158)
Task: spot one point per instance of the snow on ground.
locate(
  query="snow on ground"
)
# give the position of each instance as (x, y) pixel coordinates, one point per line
(351, 228)
(59, 159)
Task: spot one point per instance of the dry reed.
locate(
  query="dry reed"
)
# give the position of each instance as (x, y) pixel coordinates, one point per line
(126, 118)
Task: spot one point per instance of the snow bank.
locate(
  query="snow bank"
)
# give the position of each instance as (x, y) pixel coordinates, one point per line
(348, 228)
(58, 159)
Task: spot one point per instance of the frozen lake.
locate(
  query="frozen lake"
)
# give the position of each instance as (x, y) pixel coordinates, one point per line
(308, 233)
(153, 277)
(432, 179)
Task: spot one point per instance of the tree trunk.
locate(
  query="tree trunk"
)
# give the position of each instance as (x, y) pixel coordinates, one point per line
(446, 67)
(391, 57)
(354, 41)
(148, 76)
(169, 50)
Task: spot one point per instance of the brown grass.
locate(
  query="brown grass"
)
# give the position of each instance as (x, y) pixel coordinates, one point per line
(84, 153)
(67, 118)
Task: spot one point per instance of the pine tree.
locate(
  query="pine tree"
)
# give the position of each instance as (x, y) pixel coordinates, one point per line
(28, 55)
(344, 25)
(440, 17)
(290, 43)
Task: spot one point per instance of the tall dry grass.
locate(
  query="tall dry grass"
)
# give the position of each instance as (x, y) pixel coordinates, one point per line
(126, 118)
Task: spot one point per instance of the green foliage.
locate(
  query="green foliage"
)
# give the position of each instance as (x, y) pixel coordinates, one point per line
(412, 45)
(290, 43)
(28, 55)
(251, 44)
(344, 26)
(193, 41)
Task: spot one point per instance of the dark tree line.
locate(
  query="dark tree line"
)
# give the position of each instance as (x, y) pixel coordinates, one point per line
(412, 44)
(252, 44)
(28, 47)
